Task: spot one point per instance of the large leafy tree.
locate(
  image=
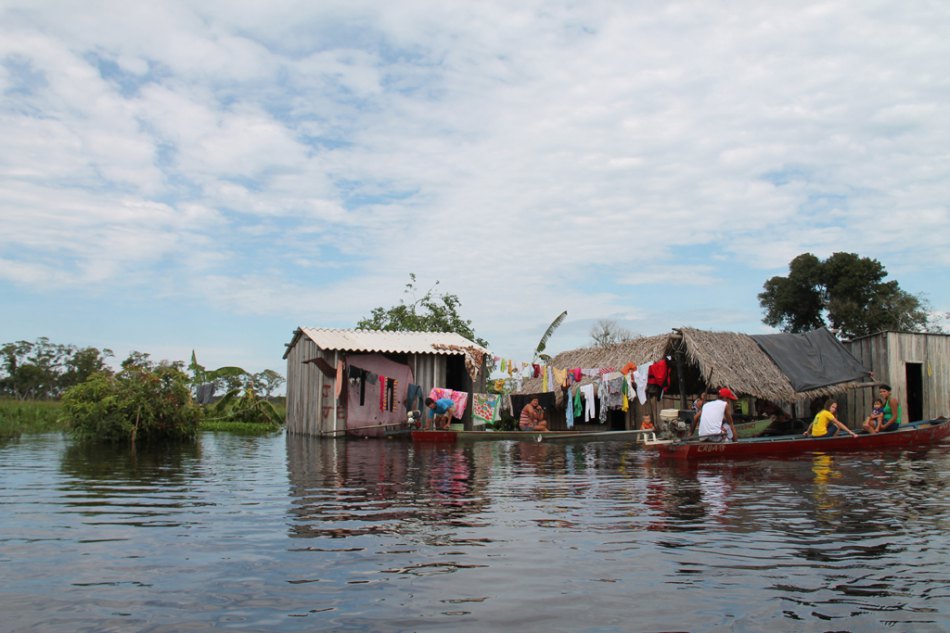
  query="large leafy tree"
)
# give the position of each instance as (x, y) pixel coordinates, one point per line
(42, 369)
(846, 292)
(432, 312)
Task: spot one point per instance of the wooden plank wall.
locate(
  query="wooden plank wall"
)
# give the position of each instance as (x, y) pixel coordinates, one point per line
(312, 408)
(887, 356)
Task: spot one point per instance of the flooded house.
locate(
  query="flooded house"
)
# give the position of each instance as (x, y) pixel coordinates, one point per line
(915, 364)
(793, 371)
(364, 382)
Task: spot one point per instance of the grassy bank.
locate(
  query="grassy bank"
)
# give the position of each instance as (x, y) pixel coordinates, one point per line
(239, 428)
(31, 416)
(46, 416)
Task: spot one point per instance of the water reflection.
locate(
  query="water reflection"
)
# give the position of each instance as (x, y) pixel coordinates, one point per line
(349, 488)
(297, 534)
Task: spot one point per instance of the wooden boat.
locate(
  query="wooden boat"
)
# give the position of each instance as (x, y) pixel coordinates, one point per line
(744, 429)
(524, 436)
(753, 428)
(923, 433)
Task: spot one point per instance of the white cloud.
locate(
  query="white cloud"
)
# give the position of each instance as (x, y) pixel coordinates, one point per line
(304, 158)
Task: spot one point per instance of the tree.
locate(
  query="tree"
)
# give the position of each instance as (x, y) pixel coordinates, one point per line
(268, 381)
(433, 312)
(43, 370)
(142, 402)
(846, 292)
(606, 332)
(80, 364)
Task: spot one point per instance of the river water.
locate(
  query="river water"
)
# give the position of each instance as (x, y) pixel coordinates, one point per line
(296, 534)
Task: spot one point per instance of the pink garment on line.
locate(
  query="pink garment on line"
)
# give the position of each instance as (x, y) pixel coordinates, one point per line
(460, 398)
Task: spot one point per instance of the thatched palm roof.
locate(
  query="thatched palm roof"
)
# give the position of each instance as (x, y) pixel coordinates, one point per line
(723, 359)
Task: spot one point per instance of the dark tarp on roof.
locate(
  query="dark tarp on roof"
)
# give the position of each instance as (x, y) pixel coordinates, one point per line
(812, 360)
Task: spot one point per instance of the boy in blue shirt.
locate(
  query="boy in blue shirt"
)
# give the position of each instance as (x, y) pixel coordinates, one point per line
(441, 412)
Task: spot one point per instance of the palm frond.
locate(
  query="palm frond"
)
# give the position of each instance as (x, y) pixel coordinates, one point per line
(547, 334)
(222, 405)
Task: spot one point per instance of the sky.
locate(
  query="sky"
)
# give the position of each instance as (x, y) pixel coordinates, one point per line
(210, 176)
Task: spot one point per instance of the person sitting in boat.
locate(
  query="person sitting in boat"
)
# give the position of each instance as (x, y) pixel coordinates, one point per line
(872, 423)
(715, 418)
(891, 420)
(646, 424)
(826, 423)
(440, 412)
(532, 417)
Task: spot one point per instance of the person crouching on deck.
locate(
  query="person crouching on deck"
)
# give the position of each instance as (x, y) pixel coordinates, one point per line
(440, 412)
(715, 418)
(532, 417)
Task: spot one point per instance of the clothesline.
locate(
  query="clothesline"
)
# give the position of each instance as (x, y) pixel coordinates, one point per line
(648, 373)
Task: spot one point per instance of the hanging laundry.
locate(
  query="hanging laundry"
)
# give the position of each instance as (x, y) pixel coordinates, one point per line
(588, 391)
(569, 408)
(391, 394)
(613, 390)
(357, 375)
(640, 377)
(602, 410)
(338, 388)
(414, 397)
(659, 378)
(485, 407)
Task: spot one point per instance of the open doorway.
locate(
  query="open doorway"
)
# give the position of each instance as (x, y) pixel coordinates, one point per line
(915, 391)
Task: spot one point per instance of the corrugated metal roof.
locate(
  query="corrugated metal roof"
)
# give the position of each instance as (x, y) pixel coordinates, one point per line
(392, 342)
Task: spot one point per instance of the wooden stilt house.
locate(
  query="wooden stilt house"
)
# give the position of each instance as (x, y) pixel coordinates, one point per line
(359, 382)
(915, 365)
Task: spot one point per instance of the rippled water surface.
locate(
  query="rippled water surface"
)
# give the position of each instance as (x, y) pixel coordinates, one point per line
(297, 534)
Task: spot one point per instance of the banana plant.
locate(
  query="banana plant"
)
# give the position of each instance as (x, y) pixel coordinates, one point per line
(538, 352)
(244, 405)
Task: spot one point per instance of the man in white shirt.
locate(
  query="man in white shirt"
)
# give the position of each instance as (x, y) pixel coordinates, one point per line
(715, 418)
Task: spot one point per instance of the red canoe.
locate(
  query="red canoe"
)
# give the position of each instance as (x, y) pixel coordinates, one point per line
(433, 436)
(525, 436)
(923, 433)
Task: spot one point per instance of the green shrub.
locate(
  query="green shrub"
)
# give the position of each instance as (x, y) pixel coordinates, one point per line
(140, 403)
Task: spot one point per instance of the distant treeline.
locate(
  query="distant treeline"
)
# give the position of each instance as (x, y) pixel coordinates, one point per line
(42, 370)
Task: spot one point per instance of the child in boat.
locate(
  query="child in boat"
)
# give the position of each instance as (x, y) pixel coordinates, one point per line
(826, 422)
(872, 423)
(646, 424)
